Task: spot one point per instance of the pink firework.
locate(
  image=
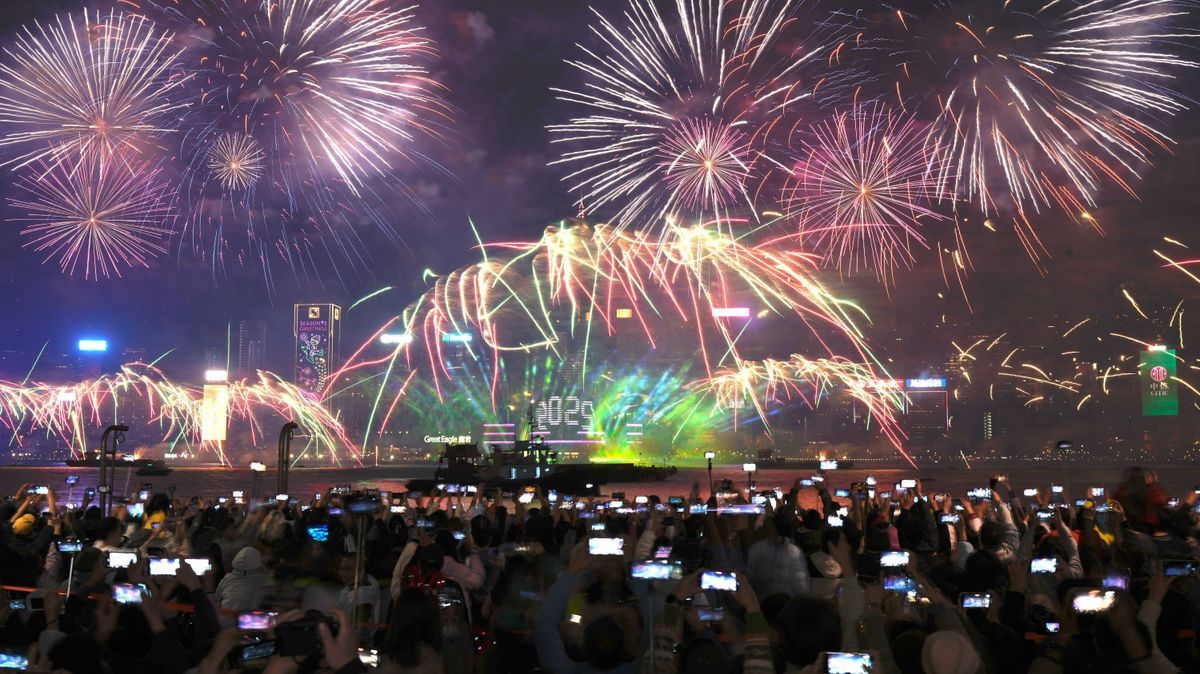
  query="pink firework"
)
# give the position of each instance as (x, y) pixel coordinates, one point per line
(95, 216)
(865, 187)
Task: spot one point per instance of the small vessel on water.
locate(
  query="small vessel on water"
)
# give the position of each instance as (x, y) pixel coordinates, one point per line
(531, 460)
(767, 459)
(146, 467)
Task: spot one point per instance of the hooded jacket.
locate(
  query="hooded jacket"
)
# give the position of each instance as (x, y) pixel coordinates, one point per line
(242, 589)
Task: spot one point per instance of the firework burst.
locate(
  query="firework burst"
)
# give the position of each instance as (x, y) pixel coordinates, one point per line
(236, 161)
(69, 410)
(1034, 103)
(95, 85)
(96, 216)
(864, 188)
(677, 112)
(332, 92)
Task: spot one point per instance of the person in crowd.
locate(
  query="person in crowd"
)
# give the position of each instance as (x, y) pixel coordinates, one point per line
(804, 582)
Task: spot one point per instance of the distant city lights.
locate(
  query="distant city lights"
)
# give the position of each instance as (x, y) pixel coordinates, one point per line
(731, 312)
(930, 382)
(93, 345)
(396, 338)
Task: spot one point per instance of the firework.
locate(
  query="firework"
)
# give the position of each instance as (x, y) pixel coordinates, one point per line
(236, 161)
(677, 113)
(325, 97)
(1032, 103)
(69, 411)
(95, 216)
(764, 383)
(97, 85)
(580, 283)
(864, 188)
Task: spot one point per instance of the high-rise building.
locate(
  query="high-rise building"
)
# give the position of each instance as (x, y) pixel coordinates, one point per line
(317, 330)
(251, 347)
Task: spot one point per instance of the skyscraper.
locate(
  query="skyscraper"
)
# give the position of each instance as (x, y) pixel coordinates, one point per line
(251, 347)
(317, 329)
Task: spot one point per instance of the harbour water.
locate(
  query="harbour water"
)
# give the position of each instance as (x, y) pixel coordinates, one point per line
(304, 483)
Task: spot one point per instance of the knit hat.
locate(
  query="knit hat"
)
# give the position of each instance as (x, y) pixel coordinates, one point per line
(949, 653)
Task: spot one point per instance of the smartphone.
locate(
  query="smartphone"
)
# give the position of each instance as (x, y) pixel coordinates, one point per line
(1179, 567)
(980, 493)
(1116, 580)
(950, 518)
(1045, 515)
(1094, 601)
(828, 465)
(72, 479)
(657, 570)
(806, 482)
(14, 660)
(975, 600)
(1052, 627)
(718, 580)
(256, 620)
(121, 559)
(848, 663)
(841, 493)
(17, 605)
(834, 521)
(1030, 493)
(136, 509)
(712, 614)
(126, 593)
(144, 495)
(662, 552)
(606, 547)
(641, 500)
(458, 535)
(893, 558)
(319, 533)
(1097, 492)
(1043, 565)
(258, 650)
(200, 565)
(525, 498)
(1056, 489)
(697, 509)
(908, 484)
(160, 566)
(70, 545)
(397, 509)
(282, 498)
(90, 493)
(899, 583)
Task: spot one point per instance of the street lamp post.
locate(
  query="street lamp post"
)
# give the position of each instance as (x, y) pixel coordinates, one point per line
(257, 468)
(750, 468)
(710, 456)
(284, 458)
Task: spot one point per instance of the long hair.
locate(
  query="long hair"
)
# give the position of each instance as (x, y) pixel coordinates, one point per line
(415, 620)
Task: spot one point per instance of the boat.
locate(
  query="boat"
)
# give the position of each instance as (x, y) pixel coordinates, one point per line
(767, 460)
(91, 459)
(154, 468)
(530, 460)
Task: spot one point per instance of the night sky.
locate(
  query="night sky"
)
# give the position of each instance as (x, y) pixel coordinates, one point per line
(499, 60)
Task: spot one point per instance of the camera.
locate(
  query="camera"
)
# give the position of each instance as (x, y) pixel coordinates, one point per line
(300, 637)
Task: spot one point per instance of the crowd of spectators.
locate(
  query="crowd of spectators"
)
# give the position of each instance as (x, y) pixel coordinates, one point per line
(871, 579)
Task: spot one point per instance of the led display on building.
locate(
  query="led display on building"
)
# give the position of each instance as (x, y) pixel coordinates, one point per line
(316, 328)
(1160, 390)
